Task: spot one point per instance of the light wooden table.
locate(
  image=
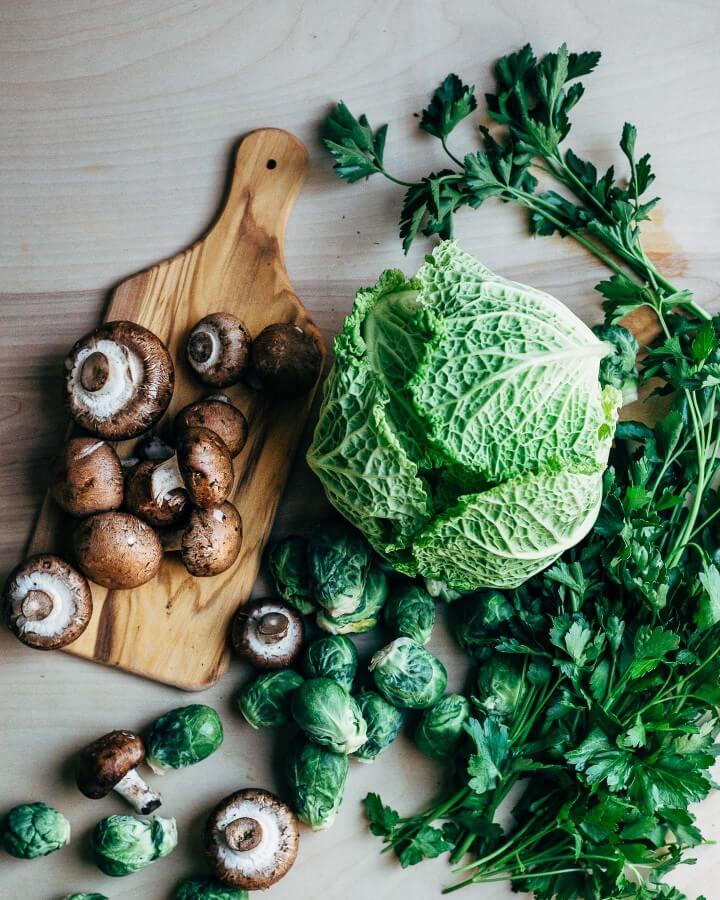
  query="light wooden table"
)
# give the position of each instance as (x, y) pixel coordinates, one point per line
(116, 120)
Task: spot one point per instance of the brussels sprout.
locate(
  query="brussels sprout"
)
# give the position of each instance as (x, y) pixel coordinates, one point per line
(619, 367)
(208, 889)
(441, 728)
(34, 829)
(477, 619)
(329, 715)
(407, 675)
(317, 780)
(265, 702)
(440, 591)
(410, 612)
(365, 616)
(122, 845)
(383, 721)
(288, 564)
(500, 686)
(339, 560)
(86, 897)
(332, 657)
(182, 737)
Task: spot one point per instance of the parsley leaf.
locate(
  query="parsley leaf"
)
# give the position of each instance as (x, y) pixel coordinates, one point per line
(452, 102)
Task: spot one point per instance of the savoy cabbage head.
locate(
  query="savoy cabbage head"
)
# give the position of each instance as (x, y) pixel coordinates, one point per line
(463, 428)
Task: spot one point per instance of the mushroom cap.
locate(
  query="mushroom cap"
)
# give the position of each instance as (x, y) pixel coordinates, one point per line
(117, 550)
(205, 466)
(285, 359)
(219, 416)
(266, 860)
(268, 633)
(211, 540)
(47, 602)
(126, 385)
(161, 512)
(218, 349)
(87, 477)
(107, 761)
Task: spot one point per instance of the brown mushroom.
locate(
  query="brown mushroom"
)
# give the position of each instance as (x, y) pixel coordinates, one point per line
(210, 541)
(109, 764)
(202, 466)
(285, 359)
(117, 550)
(268, 633)
(119, 380)
(47, 602)
(217, 414)
(218, 348)
(87, 477)
(251, 839)
(165, 510)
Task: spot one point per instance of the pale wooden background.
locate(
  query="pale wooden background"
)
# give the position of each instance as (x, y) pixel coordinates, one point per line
(116, 121)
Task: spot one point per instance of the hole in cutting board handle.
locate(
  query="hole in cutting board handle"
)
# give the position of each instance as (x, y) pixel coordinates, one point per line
(271, 163)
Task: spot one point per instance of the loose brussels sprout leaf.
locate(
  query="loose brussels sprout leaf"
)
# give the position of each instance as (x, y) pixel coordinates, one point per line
(123, 844)
(407, 675)
(265, 702)
(619, 368)
(329, 715)
(316, 777)
(500, 687)
(208, 889)
(332, 657)
(365, 617)
(477, 619)
(288, 564)
(410, 612)
(86, 897)
(441, 728)
(440, 591)
(383, 721)
(34, 829)
(339, 560)
(182, 737)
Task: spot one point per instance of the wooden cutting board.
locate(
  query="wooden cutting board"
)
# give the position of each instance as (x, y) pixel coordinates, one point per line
(174, 629)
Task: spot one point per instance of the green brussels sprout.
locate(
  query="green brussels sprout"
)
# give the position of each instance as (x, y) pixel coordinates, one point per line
(477, 619)
(208, 889)
(383, 721)
(407, 675)
(410, 612)
(182, 737)
(332, 657)
(619, 367)
(329, 715)
(441, 728)
(265, 702)
(339, 561)
(288, 564)
(122, 845)
(500, 687)
(440, 591)
(365, 617)
(34, 829)
(316, 777)
(86, 897)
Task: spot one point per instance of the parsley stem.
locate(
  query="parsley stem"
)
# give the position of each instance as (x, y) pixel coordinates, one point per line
(458, 162)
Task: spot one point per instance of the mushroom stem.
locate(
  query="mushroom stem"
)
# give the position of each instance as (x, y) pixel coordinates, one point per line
(273, 627)
(165, 479)
(95, 371)
(200, 346)
(36, 606)
(243, 834)
(138, 794)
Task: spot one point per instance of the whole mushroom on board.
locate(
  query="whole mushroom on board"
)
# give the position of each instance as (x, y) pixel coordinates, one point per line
(119, 380)
(252, 839)
(117, 550)
(219, 415)
(110, 764)
(218, 349)
(285, 359)
(47, 602)
(201, 466)
(210, 540)
(268, 633)
(161, 511)
(87, 477)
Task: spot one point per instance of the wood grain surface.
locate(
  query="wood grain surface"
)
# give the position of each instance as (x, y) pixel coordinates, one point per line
(117, 119)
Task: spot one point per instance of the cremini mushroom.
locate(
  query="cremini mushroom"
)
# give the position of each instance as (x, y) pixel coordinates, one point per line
(210, 541)
(87, 477)
(202, 466)
(117, 550)
(218, 349)
(252, 839)
(47, 602)
(268, 633)
(119, 380)
(162, 510)
(285, 360)
(217, 414)
(110, 764)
